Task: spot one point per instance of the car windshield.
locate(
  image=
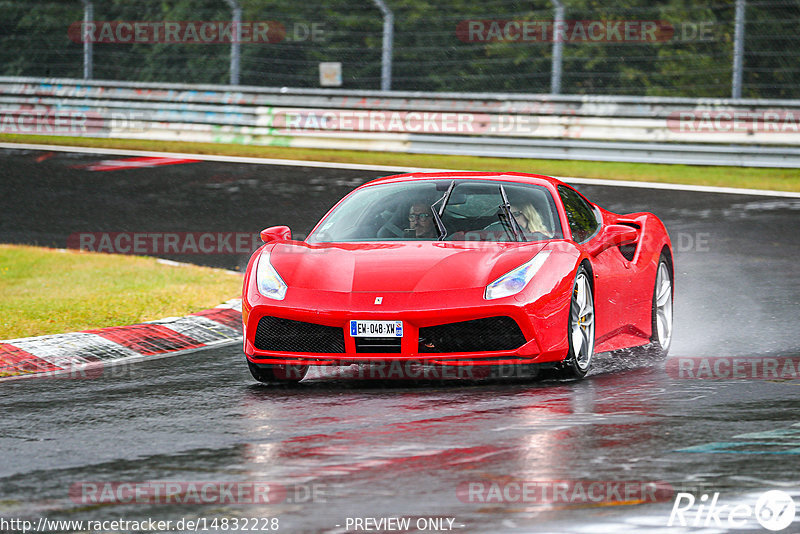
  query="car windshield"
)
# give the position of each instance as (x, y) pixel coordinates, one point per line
(474, 210)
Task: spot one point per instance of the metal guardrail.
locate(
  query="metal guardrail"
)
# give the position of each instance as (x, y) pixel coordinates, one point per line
(764, 133)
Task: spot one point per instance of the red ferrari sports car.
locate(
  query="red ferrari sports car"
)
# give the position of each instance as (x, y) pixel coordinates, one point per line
(459, 269)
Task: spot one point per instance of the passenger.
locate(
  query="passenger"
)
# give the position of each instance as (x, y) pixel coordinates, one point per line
(529, 219)
(420, 220)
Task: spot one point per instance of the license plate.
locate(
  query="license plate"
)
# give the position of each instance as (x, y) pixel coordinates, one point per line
(376, 328)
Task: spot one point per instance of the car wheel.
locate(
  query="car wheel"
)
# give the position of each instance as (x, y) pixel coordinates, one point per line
(662, 310)
(580, 331)
(277, 373)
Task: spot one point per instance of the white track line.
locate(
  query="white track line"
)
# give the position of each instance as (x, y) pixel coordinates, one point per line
(680, 187)
(225, 159)
(389, 168)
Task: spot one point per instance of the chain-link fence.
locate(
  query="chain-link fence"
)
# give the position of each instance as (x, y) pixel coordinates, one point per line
(667, 48)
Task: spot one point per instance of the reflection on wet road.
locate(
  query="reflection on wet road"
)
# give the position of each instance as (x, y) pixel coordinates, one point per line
(353, 448)
(339, 446)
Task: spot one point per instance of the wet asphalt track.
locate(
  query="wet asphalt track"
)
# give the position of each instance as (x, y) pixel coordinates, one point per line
(387, 448)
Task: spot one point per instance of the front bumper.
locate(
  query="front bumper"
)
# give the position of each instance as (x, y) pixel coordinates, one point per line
(416, 310)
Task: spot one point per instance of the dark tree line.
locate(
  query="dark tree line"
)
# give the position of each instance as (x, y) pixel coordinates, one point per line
(694, 60)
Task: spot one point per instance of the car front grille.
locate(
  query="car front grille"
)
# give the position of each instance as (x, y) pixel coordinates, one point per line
(479, 335)
(386, 345)
(285, 335)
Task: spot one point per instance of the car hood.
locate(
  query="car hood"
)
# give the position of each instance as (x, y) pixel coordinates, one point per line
(406, 266)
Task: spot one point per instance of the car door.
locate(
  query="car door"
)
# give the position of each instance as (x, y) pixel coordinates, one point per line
(609, 267)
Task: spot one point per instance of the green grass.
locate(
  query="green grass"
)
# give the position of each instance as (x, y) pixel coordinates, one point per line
(47, 291)
(744, 177)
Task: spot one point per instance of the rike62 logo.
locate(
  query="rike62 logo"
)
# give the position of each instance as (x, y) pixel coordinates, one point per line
(774, 510)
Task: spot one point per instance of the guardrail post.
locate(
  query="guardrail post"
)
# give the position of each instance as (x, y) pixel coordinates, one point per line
(236, 42)
(558, 48)
(88, 15)
(388, 43)
(738, 50)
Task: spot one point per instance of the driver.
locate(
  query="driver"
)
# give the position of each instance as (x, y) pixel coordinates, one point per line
(420, 220)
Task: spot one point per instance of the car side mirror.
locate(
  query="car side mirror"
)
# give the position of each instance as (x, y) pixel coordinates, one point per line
(276, 233)
(613, 235)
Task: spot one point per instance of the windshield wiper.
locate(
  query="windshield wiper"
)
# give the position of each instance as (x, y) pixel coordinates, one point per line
(511, 220)
(437, 216)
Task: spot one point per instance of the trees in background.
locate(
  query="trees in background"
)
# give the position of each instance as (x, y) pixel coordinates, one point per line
(429, 53)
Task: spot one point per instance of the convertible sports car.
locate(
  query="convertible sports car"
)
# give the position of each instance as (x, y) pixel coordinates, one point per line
(459, 269)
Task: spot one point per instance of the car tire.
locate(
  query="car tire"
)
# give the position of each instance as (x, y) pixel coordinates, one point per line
(580, 328)
(661, 315)
(277, 374)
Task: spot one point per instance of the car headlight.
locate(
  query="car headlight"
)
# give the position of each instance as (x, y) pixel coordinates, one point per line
(268, 281)
(515, 280)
